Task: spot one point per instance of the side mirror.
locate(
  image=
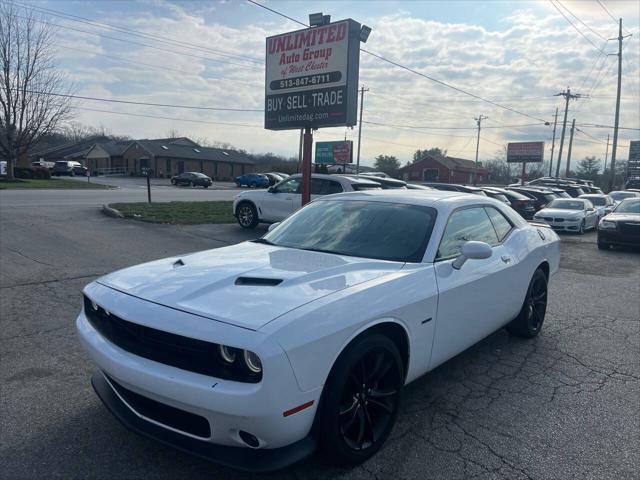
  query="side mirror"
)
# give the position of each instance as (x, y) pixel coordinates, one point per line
(272, 226)
(472, 251)
(271, 190)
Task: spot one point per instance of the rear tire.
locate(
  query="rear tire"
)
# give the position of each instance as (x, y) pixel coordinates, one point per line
(173, 182)
(529, 321)
(247, 215)
(361, 400)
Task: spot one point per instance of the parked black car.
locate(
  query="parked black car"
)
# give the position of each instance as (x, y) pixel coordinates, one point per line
(622, 226)
(69, 168)
(541, 196)
(192, 179)
(522, 204)
(452, 187)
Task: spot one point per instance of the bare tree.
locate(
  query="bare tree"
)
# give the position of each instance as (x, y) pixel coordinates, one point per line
(28, 78)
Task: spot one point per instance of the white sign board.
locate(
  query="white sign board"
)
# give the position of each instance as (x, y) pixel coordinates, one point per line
(312, 77)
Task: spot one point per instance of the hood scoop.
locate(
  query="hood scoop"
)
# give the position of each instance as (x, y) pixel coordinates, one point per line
(258, 281)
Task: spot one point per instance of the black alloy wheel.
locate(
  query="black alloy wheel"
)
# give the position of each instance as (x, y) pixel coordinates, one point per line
(247, 215)
(361, 400)
(529, 321)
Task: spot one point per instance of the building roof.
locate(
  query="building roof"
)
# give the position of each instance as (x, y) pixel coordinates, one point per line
(452, 163)
(178, 150)
(115, 149)
(64, 150)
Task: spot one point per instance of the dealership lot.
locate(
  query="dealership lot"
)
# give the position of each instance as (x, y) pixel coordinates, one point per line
(561, 406)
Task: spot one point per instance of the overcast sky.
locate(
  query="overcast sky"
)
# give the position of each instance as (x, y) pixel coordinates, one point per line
(516, 53)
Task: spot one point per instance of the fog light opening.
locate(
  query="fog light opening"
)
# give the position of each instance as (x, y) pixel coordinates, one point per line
(249, 439)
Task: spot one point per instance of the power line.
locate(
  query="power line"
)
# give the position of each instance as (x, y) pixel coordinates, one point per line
(184, 54)
(615, 20)
(593, 125)
(574, 16)
(576, 28)
(188, 120)
(415, 72)
(278, 13)
(88, 21)
(435, 127)
(130, 102)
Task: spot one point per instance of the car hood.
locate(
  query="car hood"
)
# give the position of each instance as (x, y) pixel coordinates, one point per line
(623, 217)
(558, 212)
(248, 284)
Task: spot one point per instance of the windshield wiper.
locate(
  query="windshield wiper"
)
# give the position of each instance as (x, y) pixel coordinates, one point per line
(263, 240)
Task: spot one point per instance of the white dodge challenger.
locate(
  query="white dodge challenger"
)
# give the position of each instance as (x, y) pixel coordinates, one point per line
(256, 354)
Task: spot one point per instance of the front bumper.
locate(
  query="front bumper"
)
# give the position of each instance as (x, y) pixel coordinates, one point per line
(226, 407)
(253, 460)
(615, 237)
(564, 225)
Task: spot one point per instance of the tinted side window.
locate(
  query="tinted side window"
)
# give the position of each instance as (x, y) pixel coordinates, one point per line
(320, 186)
(463, 226)
(289, 186)
(500, 223)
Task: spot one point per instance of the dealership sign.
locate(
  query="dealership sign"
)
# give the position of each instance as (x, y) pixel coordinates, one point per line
(334, 152)
(633, 165)
(520, 152)
(312, 77)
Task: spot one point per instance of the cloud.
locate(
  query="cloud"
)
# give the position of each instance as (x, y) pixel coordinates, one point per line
(532, 56)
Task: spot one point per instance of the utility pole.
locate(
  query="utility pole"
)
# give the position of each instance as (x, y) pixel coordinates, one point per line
(479, 123)
(362, 90)
(606, 155)
(614, 147)
(567, 96)
(573, 127)
(553, 142)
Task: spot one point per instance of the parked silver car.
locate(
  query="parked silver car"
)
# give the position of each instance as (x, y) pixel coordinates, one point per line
(570, 215)
(603, 203)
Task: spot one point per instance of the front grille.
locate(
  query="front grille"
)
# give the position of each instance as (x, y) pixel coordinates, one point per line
(162, 413)
(559, 220)
(630, 228)
(178, 351)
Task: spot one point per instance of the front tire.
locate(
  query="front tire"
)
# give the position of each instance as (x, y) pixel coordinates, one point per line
(361, 400)
(247, 215)
(529, 321)
(581, 231)
(604, 246)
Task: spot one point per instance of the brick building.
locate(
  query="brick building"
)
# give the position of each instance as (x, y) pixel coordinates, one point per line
(444, 170)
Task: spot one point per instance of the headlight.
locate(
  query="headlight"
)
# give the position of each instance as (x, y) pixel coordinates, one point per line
(607, 225)
(252, 361)
(228, 354)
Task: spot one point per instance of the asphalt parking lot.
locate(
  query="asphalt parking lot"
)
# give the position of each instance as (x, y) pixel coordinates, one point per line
(562, 406)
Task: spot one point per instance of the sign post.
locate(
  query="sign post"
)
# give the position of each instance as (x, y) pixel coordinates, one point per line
(312, 82)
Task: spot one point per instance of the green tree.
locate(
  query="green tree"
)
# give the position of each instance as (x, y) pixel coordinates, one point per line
(435, 152)
(387, 164)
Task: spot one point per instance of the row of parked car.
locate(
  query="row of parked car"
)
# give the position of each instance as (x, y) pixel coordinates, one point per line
(564, 205)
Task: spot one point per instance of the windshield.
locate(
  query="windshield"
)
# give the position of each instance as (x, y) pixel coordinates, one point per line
(618, 196)
(380, 230)
(629, 206)
(567, 204)
(563, 194)
(598, 201)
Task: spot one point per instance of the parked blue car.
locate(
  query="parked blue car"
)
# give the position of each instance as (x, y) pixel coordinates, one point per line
(252, 180)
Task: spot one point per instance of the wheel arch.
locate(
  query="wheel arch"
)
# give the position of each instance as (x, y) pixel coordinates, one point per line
(390, 327)
(545, 267)
(245, 200)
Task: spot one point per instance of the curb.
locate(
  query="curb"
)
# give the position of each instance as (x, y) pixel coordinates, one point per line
(111, 212)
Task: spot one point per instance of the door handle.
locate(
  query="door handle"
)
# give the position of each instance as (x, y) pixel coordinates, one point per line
(287, 198)
(506, 258)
